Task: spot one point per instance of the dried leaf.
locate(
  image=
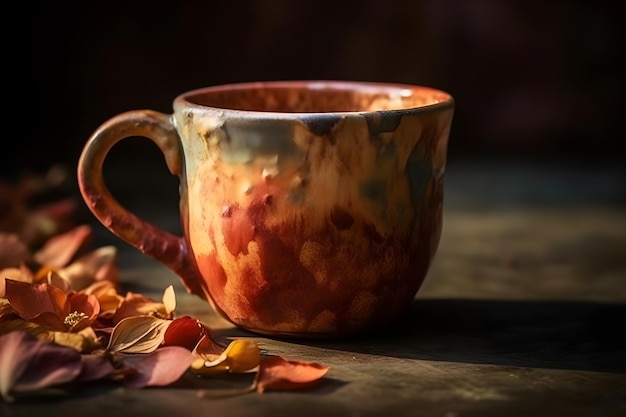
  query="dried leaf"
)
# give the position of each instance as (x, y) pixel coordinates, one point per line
(277, 373)
(29, 364)
(107, 295)
(96, 265)
(59, 250)
(158, 368)
(139, 305)
(21, 273)
(84, 341)
(40, 303)
(19, 324)
(138, 334)
(240, 355)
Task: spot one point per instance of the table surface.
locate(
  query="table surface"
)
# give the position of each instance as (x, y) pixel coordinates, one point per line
(520, 314)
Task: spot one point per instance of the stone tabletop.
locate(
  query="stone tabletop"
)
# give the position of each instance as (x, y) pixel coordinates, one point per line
(520, 315)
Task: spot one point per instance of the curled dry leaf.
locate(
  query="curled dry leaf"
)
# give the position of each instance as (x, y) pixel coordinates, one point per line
(277, 373)
(240, 355)
(137, 334)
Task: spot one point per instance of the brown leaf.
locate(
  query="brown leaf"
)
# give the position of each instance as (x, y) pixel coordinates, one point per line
(277, 373)
(91, 267)
(59, 250)
(83, 341)
(138, 334)
(135, 304)
(21, 273)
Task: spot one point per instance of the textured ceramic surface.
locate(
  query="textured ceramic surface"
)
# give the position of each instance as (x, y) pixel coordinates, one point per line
(309, 209)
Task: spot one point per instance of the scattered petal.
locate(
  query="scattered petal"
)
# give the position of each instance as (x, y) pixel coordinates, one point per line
(184, 331)
(19, 324)
(21, 273)
(86, 306)
(138, 334)
(240, 355)
(29, 364)
(277, 373)
(207, 348)
(59, 250)
(169, 300)
(84, 341)
(139, 305)
(95, 367)
(161, 367)
(40, 303)
(96, 265)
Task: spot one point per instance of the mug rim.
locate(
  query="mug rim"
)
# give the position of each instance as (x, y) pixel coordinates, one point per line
(445, 99)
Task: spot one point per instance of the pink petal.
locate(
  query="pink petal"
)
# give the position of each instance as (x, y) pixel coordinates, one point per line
(159, 368)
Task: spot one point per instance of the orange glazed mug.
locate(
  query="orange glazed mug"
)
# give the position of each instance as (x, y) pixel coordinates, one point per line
(308, 208)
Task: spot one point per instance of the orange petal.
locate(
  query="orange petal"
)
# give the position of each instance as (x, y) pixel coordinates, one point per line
(276, 373)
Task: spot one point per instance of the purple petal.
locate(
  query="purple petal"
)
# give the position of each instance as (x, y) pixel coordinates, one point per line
(95, 367)
(158, 368)
(29, 364)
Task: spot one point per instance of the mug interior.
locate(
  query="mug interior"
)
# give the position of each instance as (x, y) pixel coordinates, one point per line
(316, 96)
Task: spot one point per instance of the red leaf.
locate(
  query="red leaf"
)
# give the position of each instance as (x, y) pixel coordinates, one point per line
(184, 331)
(29, 364)
(158, 368)
(276, 373)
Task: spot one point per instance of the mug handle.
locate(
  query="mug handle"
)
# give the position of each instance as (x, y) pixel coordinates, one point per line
(165, 247)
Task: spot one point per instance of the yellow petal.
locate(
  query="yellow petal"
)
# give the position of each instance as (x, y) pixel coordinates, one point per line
(239, 356)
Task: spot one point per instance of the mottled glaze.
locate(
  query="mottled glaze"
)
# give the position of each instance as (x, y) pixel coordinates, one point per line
(309, 209)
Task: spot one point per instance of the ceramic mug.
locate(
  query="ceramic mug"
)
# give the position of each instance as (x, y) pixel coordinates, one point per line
(308, 208)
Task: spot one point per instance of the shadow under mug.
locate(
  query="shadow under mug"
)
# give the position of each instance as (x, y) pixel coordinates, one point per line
(308, 208)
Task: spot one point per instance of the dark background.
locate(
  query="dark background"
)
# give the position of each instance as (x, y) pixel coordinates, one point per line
(531, 79)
